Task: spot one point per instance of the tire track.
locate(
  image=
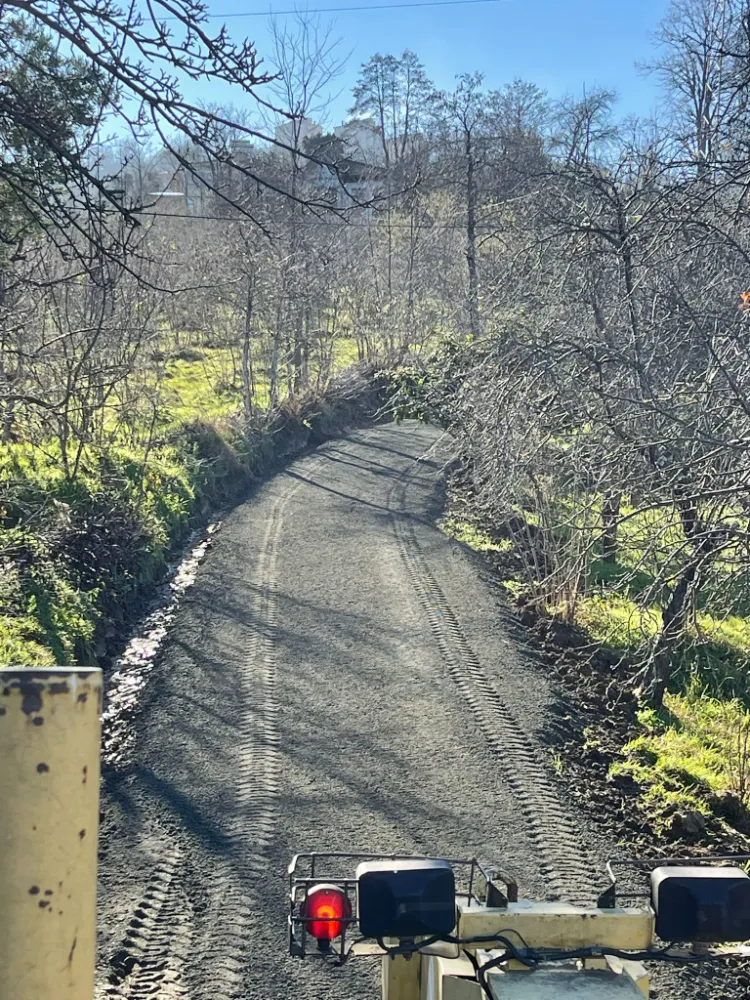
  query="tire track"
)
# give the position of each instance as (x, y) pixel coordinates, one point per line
(158, 942)
(564, 864)
(224, 960)
(191, 934)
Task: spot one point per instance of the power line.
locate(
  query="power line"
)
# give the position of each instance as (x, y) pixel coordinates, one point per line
(338, 10)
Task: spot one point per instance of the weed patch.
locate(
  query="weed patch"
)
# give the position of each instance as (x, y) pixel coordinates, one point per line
(694, 753)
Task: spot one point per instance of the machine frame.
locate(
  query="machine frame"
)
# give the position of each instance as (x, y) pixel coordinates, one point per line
(587, 952)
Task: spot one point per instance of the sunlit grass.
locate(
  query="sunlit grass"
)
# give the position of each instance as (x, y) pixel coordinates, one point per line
(717, 650)
(202, 387)
(694, 753)
(616, 621)
(207, 382)
(346, 352)
(691, 752)
(168, 443)
(467, 533)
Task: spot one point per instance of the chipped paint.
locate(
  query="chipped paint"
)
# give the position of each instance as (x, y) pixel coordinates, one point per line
(31, 693)
(49, 740)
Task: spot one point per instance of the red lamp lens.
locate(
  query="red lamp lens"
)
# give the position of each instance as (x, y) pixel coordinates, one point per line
(326, 909)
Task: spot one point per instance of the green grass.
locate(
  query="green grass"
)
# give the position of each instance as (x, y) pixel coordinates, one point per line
(715, 653)
(696, 751)
(691, 753)
(23, 643)
(468, 533)
(206, 382)
(615, 575)
(617, 621)
(346, 352)
(74, 555)
(76, 552)
(68, 548)
(202, 387)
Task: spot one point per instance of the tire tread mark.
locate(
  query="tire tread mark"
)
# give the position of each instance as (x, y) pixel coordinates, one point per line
(563, 862)
(250, 829)
(150, 961)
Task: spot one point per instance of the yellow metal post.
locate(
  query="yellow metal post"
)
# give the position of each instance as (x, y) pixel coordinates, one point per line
(49, 820)
(400, 980)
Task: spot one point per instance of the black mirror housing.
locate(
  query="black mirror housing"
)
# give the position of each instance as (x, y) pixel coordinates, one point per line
(701, 904)
(406, 899)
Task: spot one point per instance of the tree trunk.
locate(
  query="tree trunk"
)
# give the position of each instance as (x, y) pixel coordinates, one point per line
(471, 238)
(6, 381)
(675, 616)
(274, 369)
(247, 362)
(295, 367)
(610, 515)
(674, 621)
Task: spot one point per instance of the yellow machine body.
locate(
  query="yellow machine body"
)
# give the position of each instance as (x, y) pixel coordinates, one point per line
(443, 972)
(561, 925)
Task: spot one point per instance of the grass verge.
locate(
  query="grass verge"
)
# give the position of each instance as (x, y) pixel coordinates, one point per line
(688, 764)
(76, 555)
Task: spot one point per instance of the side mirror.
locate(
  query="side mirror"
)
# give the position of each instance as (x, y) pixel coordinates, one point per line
(701, 904)
(406, 898)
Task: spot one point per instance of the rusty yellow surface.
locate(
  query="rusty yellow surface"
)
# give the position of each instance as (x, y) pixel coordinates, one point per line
(49, 817)
(560, 925)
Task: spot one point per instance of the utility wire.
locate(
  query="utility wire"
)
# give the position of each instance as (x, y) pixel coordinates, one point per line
(338, 10)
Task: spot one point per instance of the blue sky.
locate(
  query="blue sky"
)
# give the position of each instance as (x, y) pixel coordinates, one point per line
(561, 45)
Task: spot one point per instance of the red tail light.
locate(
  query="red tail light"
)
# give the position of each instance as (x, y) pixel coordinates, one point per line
(326, 911)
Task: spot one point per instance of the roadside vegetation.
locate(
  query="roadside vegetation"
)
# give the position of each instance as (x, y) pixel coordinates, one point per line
(602, 419)
(637, 570)
(78, 549)
(568, 293)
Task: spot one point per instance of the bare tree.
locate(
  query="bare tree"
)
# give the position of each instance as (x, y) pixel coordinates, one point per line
(306, 61)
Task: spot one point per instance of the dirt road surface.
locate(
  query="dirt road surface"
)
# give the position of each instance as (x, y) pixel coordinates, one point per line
(342, 676)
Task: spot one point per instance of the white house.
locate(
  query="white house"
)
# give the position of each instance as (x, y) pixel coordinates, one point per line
(303, 129)
(362, 141)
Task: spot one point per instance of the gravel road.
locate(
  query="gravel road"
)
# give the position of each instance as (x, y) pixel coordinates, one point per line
(341, 676)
